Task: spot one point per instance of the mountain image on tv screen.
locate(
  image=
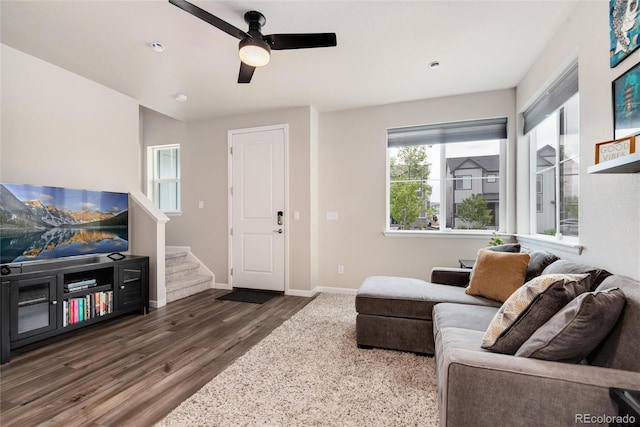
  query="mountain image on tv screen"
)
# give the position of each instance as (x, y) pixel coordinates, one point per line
(38, 222)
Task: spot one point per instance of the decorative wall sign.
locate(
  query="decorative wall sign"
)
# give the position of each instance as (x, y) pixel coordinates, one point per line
(624, 19)
(610, 150)
(626, 103)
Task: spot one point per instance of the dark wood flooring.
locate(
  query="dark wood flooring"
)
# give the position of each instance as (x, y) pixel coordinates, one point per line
(133, 370)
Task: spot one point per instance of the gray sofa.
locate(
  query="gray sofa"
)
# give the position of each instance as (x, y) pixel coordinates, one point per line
(481, 388)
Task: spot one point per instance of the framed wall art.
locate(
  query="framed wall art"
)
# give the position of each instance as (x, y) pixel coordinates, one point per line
(626, 103)
(624, 20)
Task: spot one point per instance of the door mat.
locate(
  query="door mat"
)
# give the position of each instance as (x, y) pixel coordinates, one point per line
(249, 295)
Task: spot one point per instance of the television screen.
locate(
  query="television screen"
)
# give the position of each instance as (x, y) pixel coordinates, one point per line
(38, 223)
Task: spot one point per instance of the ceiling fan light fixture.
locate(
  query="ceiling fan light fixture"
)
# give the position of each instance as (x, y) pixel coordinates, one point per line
(254, 52)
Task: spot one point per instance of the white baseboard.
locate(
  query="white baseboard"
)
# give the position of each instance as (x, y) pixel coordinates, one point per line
(157, 304)
(301, 293)
(222, 286)
(330, 290)
(320, 289)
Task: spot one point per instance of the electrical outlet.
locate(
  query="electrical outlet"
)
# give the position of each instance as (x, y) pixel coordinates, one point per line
(340, 269)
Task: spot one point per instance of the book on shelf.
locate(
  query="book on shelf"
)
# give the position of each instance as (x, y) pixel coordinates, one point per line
(87, 307)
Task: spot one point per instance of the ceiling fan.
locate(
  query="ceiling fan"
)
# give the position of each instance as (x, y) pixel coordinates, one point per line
(255, 49)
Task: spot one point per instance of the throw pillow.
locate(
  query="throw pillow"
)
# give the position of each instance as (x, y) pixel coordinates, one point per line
(496, 275)
(507, 247)
(529, 308)
(538, 262)
(564, 266)
(572, 333)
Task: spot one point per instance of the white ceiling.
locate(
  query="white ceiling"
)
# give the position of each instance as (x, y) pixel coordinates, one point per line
(383, 53)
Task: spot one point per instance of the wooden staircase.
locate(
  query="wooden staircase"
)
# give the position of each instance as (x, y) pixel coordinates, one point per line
(183, 275)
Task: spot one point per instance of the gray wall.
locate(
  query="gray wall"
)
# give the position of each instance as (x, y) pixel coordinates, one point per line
(205, 178)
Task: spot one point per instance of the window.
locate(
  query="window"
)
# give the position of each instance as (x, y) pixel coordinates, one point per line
(556, 156)
(552, 122)
(463, 182)
(446, 176)
(164, 183)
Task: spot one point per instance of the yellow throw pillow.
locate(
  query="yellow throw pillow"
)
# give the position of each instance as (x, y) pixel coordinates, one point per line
(496, 275)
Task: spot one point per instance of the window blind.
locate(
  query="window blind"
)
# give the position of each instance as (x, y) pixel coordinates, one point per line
(471, 130)
(559, 92)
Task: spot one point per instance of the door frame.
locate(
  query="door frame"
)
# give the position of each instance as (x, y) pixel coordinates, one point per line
(230, 133)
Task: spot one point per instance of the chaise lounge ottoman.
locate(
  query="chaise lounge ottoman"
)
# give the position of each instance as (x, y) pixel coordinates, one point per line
(395, 312)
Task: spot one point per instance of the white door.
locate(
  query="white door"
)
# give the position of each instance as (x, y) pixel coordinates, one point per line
(257, 162)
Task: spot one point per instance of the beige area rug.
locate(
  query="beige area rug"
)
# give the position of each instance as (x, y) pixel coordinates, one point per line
(309, 372)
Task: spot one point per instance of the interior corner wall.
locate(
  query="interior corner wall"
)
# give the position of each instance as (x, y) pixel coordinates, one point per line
(609, 203)
(352, 183)
(204, 178)
(61, 129)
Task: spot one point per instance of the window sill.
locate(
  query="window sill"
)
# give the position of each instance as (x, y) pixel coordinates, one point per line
(451, 234)
(568, 244)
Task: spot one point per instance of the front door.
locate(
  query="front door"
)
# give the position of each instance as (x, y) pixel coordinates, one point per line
(257, 200)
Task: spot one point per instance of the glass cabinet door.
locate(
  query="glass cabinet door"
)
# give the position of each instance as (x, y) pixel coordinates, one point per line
(36, 302)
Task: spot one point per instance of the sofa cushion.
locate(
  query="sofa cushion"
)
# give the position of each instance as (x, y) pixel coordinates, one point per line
(449, 338)
(406, 297)
(620, 349)
(475, 317)
(539, 260)
(564, 266)
(572, 333)
(496, 275)
(530, 307)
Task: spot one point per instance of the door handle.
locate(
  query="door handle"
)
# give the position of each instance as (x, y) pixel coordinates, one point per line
(280, 214)
(279, 231)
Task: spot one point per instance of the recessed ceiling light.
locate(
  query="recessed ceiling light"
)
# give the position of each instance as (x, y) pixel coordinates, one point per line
(158, 47)
(435, 65)
(181, 97)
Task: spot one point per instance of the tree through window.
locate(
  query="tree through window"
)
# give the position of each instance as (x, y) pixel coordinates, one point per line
(446, 175)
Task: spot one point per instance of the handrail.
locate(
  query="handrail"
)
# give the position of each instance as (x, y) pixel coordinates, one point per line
(147, 205)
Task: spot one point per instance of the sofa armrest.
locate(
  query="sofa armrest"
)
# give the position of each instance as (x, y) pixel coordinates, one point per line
(488, 389)
(450, 276)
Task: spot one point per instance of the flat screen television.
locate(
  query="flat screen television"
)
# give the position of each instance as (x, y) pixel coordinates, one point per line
(42, 223)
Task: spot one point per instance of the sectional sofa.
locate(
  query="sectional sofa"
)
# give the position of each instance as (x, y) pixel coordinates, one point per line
(533, 380)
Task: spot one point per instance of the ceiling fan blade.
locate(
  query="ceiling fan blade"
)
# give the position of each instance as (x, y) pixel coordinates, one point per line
(246, 72)
(209, 18)
(300, 41)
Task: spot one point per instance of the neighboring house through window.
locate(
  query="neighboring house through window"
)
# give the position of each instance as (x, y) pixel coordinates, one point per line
(164, 177)
(553, 125)
(446, 176)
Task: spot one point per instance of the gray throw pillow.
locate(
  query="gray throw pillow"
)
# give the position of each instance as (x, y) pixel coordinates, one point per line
(507, 247)
(564, 266)
(530, 307)
(538, 261)
(572, 333)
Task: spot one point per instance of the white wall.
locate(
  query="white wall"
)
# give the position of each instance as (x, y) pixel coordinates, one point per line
(62, 130)
(352, 182)
(609, 204)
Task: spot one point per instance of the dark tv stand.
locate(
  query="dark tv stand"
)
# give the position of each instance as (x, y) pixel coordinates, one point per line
(47, 299)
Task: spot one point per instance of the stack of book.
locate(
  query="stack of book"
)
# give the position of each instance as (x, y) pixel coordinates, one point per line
(87, 307)
(77, 285)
